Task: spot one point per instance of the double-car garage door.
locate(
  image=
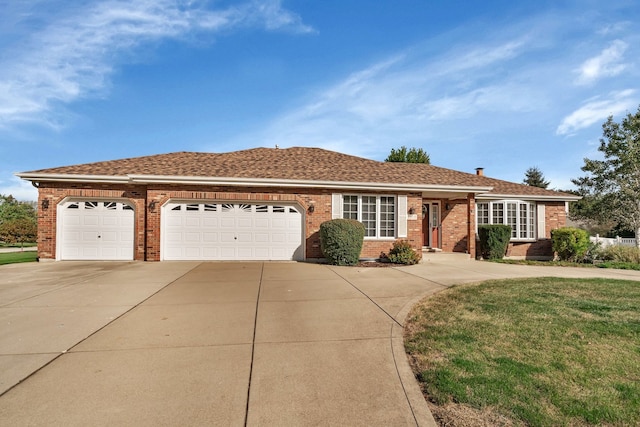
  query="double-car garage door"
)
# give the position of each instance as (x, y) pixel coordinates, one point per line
(231, 231)
(104, 230)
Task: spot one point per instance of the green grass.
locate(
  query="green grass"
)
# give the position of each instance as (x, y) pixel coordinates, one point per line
(602, 264)
(542, 263)
(17, 245)
(15, 257)
(542, 352)
(619, 265)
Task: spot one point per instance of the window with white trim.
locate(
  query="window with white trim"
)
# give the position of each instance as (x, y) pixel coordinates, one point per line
(519, 215)
(376, 213)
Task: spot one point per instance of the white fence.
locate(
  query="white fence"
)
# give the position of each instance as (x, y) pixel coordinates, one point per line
(621, 241)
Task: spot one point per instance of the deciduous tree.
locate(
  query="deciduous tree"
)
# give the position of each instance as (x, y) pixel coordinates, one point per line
(21, 230)
(15, 218)
(613, 184)
(10, 208)
(412, 155)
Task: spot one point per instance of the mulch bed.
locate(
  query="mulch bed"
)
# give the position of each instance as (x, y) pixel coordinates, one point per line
(374, 264)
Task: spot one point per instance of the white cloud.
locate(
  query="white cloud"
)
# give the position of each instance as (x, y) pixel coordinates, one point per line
(19, 189)
(597, 110)
(73, 57)
(607, 64)
(614, 28)
(399, 100)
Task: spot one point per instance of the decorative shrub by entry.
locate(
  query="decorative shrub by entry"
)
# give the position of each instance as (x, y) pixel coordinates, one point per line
(403, 253)
(341, 241)
(494, 240)
(570, 243)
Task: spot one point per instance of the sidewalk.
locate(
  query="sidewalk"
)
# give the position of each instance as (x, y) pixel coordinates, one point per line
(25, 249)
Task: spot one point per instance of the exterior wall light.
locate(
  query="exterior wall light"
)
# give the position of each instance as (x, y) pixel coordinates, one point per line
(311, 208)
(152, 206)
(412, 210)
(45, 204)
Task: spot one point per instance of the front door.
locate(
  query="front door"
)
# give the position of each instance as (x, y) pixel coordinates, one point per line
(431, 224)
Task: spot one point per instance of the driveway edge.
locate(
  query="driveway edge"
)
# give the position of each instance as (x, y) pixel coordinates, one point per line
(421, 411)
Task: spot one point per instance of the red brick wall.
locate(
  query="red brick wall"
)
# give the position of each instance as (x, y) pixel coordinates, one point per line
(457, 223)
(149, 200)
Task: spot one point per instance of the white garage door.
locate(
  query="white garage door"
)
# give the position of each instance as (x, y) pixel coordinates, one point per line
(96, 230)
(231, 231)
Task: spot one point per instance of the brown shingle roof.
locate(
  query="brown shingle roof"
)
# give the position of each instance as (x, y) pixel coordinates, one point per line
(296, 163)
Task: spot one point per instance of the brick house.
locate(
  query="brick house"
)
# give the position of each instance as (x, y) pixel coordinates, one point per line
(268, 204)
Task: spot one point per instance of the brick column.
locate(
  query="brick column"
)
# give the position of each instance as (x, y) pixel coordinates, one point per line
(471, 224)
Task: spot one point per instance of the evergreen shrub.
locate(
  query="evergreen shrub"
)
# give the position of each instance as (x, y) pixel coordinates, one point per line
(494, 240)
(341, 241)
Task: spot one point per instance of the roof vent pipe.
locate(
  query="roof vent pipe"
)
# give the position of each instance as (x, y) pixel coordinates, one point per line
(480, 171)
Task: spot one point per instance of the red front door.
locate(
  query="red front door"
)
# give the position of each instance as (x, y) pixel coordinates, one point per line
(426, 228)
(431, 225)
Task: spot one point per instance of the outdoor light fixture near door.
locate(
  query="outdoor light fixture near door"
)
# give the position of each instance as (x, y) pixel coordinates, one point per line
(152, 206)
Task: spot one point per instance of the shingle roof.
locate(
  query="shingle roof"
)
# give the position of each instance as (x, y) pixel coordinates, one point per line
(296, 163)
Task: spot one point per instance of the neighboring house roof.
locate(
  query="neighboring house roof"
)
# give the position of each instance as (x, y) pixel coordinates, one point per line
(296, 166)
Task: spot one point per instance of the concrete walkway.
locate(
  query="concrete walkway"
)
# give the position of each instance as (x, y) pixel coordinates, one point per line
(25, 249)
(219, 343)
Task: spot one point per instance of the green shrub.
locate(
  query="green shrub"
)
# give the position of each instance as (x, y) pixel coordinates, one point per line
(618, 253)
(620, 265)
(494, 240)
(403, 253)
(341, 241)
(571, 244)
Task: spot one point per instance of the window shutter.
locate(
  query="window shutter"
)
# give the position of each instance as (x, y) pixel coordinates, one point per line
(541, 222)
(402, 216)
(336, 206)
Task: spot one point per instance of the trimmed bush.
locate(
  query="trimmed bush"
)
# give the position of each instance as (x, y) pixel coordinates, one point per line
(494, 240)
(569, 243)
(403, 253)
(341, 241)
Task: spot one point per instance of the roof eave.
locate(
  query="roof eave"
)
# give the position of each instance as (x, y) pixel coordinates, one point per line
(534, 197)
(251, 182)
(46, 177)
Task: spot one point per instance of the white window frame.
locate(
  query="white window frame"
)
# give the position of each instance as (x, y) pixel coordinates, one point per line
(504, 210)
(378, 214)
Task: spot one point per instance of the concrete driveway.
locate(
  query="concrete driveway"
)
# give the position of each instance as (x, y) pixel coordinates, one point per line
(219, 343)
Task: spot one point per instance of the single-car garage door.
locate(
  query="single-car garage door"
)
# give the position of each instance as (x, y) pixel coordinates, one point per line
(231, 231)
(96, 230)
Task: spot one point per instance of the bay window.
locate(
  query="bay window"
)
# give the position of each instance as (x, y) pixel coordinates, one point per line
(517, 214)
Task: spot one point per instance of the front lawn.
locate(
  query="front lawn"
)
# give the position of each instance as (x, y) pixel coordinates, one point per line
(540, 352)
(15, 257)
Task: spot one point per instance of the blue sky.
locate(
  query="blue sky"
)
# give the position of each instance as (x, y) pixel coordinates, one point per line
(502, 85)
